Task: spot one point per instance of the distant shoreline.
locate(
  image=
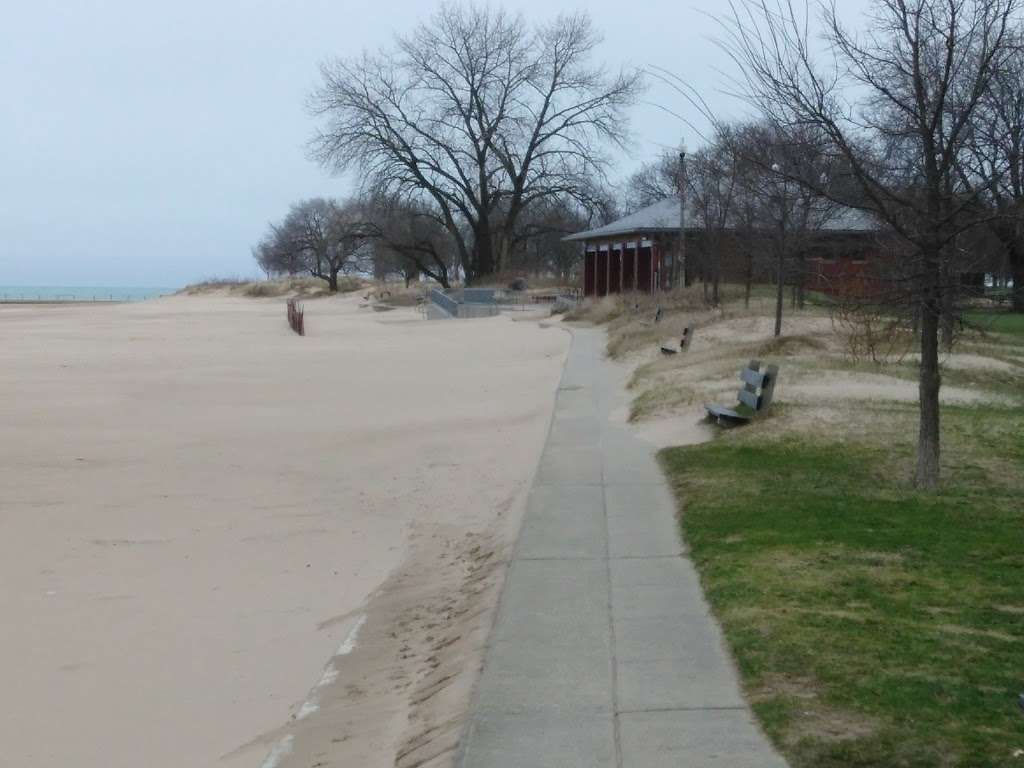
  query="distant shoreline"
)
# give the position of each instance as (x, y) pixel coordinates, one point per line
(69, 302)
(71, 294)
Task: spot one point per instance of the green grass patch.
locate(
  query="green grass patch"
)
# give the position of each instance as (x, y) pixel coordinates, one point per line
(873, 625)
(1011, 323)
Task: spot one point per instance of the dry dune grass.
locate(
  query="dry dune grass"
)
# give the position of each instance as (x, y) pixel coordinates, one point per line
(818, 383)
(721, 346)
(214, 285)
(633, 307)
(395, 294)
(304, 287)
(630, 318)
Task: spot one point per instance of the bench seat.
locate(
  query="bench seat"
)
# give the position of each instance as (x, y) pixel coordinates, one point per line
(721, 412)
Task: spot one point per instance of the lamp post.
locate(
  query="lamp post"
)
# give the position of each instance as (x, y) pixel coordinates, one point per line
(776, 168)
(680, 269)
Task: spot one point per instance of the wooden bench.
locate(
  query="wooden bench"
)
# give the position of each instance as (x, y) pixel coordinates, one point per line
(754, 396)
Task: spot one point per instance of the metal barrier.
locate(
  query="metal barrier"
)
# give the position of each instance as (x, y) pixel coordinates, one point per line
(98, 295)
(486, 302)
(479, 310)
(60, 298)
(445, 302)
(478, 295)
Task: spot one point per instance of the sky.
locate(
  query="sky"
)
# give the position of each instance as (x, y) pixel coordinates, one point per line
(150, 143)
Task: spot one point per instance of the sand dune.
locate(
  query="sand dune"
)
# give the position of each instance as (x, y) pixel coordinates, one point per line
(210, 526)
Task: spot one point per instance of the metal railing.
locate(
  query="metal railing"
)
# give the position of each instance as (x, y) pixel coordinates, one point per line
(65, 298)
(444, 301)
(485, 302)
(479, 295)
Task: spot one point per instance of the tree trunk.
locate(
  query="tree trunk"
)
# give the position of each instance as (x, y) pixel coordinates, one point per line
(1015, 252)
(715, 295)
(440, 274)
(800, 279)
(749, 280)
(1007, 231)
(927, 474)
(483, 252)
(503, 257)
(780, 294)
(948, 319)
(948, 286)
(435, 269)
(332, 281)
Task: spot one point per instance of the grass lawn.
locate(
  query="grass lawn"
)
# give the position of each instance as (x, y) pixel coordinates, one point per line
(998, 322)
(873, 625)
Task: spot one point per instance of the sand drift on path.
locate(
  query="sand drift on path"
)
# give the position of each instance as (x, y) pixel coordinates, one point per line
(222, 544)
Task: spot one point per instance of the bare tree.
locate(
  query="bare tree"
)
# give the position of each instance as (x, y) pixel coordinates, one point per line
(476, 116)
(738, 201)
(653, 182)
(319, 236)
(409, 235)
(895, 105)
(539, 245)
(994, 163)
(782, 213)
(276, 257)
(713, 180)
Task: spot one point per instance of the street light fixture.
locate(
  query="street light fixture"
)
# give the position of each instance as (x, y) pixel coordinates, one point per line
(783, 204)
(680, 269)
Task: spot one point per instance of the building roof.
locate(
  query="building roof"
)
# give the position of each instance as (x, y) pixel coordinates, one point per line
(663, 216)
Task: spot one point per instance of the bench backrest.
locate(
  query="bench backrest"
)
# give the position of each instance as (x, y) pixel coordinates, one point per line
(754, 379)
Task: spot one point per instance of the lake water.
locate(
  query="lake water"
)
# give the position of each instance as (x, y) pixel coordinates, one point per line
(80, 293)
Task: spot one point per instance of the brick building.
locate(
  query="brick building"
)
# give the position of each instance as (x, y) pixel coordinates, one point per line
(636, 252)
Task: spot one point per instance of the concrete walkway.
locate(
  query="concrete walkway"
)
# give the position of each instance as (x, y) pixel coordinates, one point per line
(604, 652)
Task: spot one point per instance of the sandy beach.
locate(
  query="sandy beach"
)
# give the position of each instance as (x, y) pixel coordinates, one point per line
(225, 545)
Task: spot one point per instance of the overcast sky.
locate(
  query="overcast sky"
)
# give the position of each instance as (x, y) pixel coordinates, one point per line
(149, 143)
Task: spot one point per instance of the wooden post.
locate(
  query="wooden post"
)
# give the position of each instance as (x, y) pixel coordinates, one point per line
(622, 263)
(585, 270)
(654, 266)
(608, 271)
(636, 263)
